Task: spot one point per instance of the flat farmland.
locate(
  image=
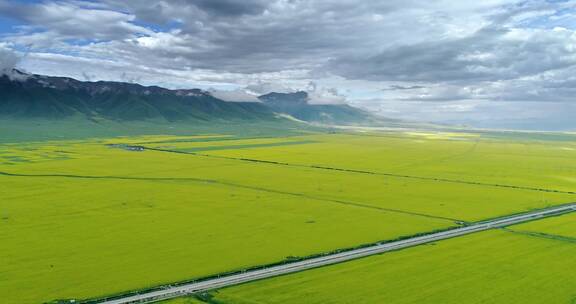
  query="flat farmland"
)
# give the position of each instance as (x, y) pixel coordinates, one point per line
(187, 300)
(562, 227)
(459, 157)
(112, 220)
(109, 236)
(489, 267)
(419, 197)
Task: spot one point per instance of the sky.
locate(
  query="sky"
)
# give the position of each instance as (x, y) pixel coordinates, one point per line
(488, 63)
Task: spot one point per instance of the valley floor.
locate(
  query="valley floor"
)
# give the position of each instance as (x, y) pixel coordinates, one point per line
(113, 220)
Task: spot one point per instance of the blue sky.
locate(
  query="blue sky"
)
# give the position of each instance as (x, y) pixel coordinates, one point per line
(472, 62)
(7, 25)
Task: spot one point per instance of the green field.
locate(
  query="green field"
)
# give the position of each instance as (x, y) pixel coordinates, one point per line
(489, 267)
(74, 128)
(183, 301)
(563, 227)
(109, 236)
(103, 220)
(455, 156)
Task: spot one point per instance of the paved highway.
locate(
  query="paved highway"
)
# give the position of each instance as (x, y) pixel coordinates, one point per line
(252, 275)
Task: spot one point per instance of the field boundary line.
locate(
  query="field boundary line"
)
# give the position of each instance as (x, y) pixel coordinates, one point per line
(542, 235)
(235, 185)
(417, 177)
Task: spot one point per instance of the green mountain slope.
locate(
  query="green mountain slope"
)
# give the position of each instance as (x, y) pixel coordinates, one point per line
(38, 96)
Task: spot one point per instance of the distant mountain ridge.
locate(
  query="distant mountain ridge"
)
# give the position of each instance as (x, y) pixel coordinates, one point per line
(37, 96)
(297, 105)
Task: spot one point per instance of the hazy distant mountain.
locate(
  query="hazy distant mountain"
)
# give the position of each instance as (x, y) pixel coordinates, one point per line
(36, 96)
(297, 105)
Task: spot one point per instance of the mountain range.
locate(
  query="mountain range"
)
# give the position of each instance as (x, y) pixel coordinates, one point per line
(297, 105)
(37, 96)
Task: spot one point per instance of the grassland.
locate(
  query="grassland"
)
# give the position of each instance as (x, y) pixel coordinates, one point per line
(490, 267)
(78, 128)
(111, 220)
